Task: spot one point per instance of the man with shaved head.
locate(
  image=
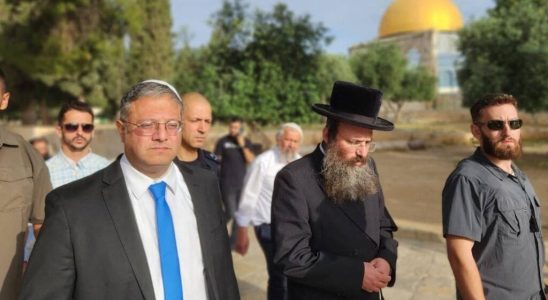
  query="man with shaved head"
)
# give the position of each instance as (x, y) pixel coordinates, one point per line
(197, 121)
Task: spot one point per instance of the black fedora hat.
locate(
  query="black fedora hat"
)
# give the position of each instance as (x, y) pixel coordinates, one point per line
(355, 104)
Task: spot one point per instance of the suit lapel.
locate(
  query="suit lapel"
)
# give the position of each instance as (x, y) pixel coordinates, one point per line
(364, 214)
(202, 207)
(119, 206)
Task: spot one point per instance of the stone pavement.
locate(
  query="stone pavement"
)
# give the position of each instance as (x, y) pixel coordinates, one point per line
(423, 269)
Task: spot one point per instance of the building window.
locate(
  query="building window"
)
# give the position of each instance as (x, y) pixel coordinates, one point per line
(413, 58)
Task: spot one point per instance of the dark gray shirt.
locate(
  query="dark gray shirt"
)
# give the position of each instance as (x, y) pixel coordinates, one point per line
(483, 203)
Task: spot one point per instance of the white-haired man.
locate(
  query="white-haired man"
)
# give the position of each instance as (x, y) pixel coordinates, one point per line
(256, 199)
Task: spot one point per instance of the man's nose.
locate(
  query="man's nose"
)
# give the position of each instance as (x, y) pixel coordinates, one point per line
(202, 127)
(160, 133)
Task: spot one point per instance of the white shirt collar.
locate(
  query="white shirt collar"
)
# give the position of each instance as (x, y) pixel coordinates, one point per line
(322, 149)
(138, 182)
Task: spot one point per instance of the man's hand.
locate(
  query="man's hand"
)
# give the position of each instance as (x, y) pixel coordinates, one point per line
(241, 140)
(381, 265)
(242, 241)
(374, 279)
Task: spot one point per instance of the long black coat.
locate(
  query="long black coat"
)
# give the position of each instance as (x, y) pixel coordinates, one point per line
(322, 245)
(90, 247)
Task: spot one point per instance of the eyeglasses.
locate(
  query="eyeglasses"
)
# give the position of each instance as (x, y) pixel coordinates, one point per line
(148, 127)
(73, 127)
(369, 145)
(495, 125)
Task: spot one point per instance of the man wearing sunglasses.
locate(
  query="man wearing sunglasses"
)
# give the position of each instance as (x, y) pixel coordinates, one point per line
(75, 159)
(491, 218)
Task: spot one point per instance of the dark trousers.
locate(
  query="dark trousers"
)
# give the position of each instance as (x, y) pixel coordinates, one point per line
(231, 198)
(277, 282)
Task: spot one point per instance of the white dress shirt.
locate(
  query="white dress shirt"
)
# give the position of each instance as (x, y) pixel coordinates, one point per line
(184, 222)
(256, 198)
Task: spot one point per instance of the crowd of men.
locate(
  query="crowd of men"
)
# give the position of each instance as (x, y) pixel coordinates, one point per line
(152, 223)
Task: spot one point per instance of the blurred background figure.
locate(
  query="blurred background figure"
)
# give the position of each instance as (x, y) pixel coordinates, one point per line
(256, 200)
(234, 151)
(41, 145)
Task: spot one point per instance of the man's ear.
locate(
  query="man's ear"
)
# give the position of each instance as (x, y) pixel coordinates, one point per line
(4, 100)
(121, 128)
(476, 131)
(325, 135)
(59, 131)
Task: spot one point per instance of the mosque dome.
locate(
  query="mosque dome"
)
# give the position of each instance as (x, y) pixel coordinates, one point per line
(420, 15)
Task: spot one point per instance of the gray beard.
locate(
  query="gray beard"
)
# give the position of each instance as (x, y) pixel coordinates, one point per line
(288, 156)
(345, 182)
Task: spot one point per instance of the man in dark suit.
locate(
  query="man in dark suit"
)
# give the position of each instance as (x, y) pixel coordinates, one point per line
(332, 232)
(143, 227)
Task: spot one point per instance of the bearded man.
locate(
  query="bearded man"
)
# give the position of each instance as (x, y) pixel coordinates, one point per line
(75, 159)
(332, 233)
(256, 200)
(491, 219)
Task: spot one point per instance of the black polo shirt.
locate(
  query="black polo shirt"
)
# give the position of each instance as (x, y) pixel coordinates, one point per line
(233, 164)
(206, 160)
(483, 203)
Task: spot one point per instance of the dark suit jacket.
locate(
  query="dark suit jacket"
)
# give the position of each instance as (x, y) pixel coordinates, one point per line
(322, 245)
(90, 247)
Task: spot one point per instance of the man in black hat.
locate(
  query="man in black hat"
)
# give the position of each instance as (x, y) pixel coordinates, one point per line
(332, 232)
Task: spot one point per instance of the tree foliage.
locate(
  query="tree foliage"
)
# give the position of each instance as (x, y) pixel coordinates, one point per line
(262, 66)
(333, 68)
(150, 40)
(383, 66)
(63, 49)
(507, 51)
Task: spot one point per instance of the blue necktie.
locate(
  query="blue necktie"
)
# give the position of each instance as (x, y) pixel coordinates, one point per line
(169, 259)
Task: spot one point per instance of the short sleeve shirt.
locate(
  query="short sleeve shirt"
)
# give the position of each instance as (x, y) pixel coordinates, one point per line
(233, 164)
(501, 214)
(24, 183)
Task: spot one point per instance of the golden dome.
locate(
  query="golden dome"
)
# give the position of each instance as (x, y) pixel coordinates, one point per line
(420, 15)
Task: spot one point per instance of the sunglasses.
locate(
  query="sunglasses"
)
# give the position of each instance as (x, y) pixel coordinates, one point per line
(72, 127)
(495, 125)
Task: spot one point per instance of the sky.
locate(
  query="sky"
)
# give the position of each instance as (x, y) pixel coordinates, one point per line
(350, 22)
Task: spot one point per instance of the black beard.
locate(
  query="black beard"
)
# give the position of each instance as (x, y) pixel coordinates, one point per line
(492, 148)
(345, 182)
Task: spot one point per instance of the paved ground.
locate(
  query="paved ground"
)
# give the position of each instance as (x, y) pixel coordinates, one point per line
(423, 272)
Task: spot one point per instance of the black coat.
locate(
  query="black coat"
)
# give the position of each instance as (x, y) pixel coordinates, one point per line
(322, 245)
(90, 247)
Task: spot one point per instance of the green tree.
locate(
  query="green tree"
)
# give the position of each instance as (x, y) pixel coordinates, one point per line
(150, 40)
(380, 65)
(59, 50)
(333, 68)
(294, 43)
(507, 51)
(383, 66)
(263, 67)
(418, 84)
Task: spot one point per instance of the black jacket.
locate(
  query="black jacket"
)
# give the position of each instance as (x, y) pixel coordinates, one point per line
(90, 247)
(322, 245)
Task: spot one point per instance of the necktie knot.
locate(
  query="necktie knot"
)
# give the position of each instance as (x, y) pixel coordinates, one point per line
(158, 191)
